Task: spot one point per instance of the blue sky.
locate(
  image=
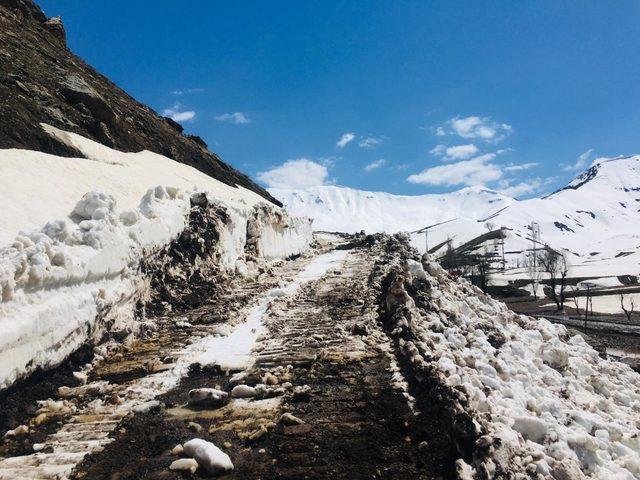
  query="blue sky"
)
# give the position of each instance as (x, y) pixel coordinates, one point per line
(437, 95)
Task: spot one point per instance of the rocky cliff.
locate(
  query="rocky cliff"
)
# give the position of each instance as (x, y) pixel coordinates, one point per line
(42, 81)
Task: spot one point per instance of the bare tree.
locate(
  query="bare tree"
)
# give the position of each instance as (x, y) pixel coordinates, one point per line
(627, 311)
(555, 264)
(480, 270)
(450, 262)
(574, 299)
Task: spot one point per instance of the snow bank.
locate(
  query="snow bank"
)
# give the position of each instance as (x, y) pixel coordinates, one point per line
(545, 404)
(79, 276)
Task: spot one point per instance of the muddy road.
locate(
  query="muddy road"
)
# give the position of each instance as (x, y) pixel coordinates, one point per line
(328, 399)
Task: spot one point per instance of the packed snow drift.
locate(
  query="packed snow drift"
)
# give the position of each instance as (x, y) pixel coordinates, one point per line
(75, 232)
(543, 403)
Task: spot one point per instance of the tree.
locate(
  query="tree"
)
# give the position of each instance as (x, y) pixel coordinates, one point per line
(480, 271)
(555, 264)
(574, 300)
(627, 311)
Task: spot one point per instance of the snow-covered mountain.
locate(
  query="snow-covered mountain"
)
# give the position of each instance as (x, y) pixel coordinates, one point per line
(342, 209)
(595, 217)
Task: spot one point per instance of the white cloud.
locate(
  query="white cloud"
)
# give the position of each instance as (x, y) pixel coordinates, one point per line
(522, 188)
(518, 167)
(457, 152)
(299, 173)
(438, 150)
(580, 163)
(177, 114)
(370, 142)
(482, 128)
(375, 165)
(345, 139)
(238, 118)
(476, 171)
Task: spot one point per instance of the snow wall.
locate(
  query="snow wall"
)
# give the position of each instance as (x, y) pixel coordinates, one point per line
(75, 279)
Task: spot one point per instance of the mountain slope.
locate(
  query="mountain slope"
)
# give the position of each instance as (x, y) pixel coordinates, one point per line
(43, 82)
(344, 209)
(595, 217)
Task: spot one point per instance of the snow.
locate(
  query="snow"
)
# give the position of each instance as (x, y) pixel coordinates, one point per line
(545, 400)
(74, 231)
(610, 303)
(234, 352)
(595, 220)
(342, 209)
(38, 187)
(208, 456)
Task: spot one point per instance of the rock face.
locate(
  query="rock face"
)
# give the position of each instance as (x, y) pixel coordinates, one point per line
(43, 82)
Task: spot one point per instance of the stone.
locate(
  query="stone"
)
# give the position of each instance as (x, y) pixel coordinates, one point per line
(196, 427)
(243, 391)
(184, 465)
(55, 26)
(289, 419)
(208, 397)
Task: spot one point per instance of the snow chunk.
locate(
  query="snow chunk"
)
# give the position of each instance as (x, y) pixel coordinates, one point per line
(95, 206)
(185, 465)
(208, 456)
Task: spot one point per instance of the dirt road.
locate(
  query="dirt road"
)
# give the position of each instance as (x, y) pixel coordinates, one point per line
(310, 337)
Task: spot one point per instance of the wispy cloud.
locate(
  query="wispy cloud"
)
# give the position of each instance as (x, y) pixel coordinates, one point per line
(178, 114)
(298, 173)
(345, 139)
(580, 162)
(457, 152)
(370, 142)
(477, 171)
(518, 167)
(526, 187)
(239, 118)
(474, 127)
(187, 91)
(375, 165)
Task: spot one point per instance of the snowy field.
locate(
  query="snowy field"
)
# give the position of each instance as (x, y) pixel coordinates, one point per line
(73, 232)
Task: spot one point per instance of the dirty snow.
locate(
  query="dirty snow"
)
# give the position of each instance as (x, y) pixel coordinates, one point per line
(73, 233)
(233, 352)
(549, 403)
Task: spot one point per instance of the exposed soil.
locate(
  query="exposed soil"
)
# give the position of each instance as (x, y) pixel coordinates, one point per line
(357, 425)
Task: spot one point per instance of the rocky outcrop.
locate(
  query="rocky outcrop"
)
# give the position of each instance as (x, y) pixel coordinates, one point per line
(41, 81)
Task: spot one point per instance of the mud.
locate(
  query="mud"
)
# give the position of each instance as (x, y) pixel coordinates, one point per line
(18, 403)
(357, 424)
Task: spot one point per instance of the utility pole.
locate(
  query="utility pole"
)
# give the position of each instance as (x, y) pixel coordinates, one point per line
(426, 240)
(535, 238)
(504, 263)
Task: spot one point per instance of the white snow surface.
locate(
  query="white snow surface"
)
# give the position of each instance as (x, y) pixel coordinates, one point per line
(342, 209)
(73, 232)
(552, 402)
(595, 218)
